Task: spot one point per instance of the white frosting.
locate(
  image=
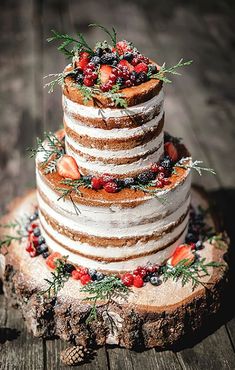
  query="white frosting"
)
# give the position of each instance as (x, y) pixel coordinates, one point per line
(106, 113)
(111, 153)
(115, 133)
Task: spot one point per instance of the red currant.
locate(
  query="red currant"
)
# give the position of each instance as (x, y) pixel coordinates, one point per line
(161, 169)
(91, 65)
(159, 184)
(112, 77)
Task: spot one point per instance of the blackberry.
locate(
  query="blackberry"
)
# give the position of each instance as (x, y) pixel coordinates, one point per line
(147, 278)
(95, 60)
(79, 78)
(36, 231)
(191, 238)
(146, 177)
(167, 164)
(133, 76)
(68, 267)
(129, 181)
(108, 58)
(138, 81)
(99, 52)
(154, 280)
(41, 240)
(42, 248)
(92, 273)
(152, 68)
(99, 276)
(45, 254)
(120, 183)
(142, 76)
(120, 81)
(128, 56)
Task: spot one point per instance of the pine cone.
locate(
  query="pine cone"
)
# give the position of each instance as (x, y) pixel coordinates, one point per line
(73, 355)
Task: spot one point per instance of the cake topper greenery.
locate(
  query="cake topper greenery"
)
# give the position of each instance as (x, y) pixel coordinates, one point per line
(107, 68)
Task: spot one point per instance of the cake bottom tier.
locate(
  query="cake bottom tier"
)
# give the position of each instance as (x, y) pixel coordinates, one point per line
(153, 316)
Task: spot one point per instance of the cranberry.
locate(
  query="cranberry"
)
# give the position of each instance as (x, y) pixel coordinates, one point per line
(128, 279)
(104, 87)
(138, 281)
(128, 83)
(112, 77)
(29, 247)
(33, 253)
(82, 271)
(115, 71)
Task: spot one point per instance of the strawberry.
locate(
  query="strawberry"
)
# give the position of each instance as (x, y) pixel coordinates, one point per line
(68, 168)
(85, 279)
(182, 252)
(127, 279)
(96, 183)
(51, 259)
(122, 46)
(125, 63)
(171, 150)
(141, 67)
(111, 187)
(84, 59)
(105, 72)
(138, 281)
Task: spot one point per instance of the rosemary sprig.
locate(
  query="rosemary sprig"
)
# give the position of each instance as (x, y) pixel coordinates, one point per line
(194, 165)
(79, 44)
(59, 278)
(73, 186)
(160, 75)
(104, 290)
(112, 34)
(189, 274)
(58, 79)
(146, 189)
(117, 97)
(50, 146)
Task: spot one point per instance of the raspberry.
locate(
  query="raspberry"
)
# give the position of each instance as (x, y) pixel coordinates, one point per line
(138, 281)
(106, 177)
(75, 275)
(141, 67)
(128, 279)
(96, 183)
(140, 271)
(111, 187)
(88, 81)
(85, 279)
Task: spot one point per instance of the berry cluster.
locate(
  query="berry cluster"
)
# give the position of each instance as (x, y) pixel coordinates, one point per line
(36, 244)
(142, 275)
(122, 65)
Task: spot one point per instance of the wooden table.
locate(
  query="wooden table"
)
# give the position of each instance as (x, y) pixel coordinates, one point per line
(199, 108)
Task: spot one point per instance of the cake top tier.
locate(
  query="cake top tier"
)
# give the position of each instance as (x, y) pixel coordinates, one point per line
(110, 74)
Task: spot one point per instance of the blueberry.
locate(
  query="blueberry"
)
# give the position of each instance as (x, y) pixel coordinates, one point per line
(95, 60)
(36, 213)
(41, 240)
(143, 76)
(42, 248)
(199, 245)
(146, 177)
(99, 276)
(33, 217)
(79, 78)
(99, 52)
(115, 63)
(138, 81)
(152, 68)
(36, 231)
(68, 267)
(45, 254)
(92, 273)
(128, 56)
(154, 280)
(147, 278)
(129, 181)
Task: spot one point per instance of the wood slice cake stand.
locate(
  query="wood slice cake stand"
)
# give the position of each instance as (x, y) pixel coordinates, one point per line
(151, 316)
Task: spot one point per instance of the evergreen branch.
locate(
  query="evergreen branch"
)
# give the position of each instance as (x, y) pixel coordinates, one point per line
(58, 278)
(20, 233)
(66, 41)
(58, 80)
(117, 97)
(160, 75)
(189, 273)
(103, 290)
(145, 189)
(112, 35)
(194, 165)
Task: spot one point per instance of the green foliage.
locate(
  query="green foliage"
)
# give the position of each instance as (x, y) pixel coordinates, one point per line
(58, 278)
(194, 165)
(104, 290)
(112, 34)
(161, 74)
(67, 41)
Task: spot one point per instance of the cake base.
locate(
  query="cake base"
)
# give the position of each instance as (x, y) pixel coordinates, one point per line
(151, 316)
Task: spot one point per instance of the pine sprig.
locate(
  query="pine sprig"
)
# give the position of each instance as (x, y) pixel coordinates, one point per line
(67, 41)
(58, 278)
(112, 34)
(117, 97)
(146, 189)
(104, 290)
(161, 74)
(58, 79)
(189, 274)
(194, 165)
(52, 149)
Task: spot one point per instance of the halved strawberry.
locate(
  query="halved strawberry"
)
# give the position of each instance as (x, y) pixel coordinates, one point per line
(171, 150)
(125, 63)
(51, 259)
(68, 168)
(181, 253)
(83, 60)
(105, 72)
(123, 46)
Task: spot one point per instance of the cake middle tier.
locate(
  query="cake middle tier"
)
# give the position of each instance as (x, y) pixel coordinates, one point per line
(123, 142)
(114, 232)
